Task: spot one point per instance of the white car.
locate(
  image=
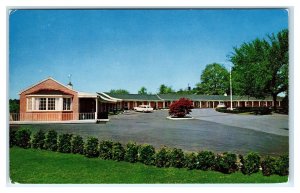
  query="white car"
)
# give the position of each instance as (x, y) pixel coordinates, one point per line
(143, 108)
(221, 105)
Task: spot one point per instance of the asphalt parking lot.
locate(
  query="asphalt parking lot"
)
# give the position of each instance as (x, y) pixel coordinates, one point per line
(210, 130)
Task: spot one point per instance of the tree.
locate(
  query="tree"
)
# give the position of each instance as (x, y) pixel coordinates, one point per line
(261, 66)
(163, 89)
(181, 108)
(214, 80)
(143, 91)
(118, 91)
(14, 106)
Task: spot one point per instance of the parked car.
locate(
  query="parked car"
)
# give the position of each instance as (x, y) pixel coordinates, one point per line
(143, 108)
(221, 105)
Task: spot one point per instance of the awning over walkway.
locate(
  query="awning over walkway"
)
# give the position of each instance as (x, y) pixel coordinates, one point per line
(107, 99)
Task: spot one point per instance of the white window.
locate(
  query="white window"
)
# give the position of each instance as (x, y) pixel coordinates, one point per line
(42, 104)
(66, 104)
(51, 103)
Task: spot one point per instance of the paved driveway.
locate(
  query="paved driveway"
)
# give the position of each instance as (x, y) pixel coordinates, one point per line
(189, 135)
(274, 124)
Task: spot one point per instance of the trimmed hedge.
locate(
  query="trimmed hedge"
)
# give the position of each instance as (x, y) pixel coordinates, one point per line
(131, 152)
(146, 154)
(279, 166)
(250, 163)
(226, 163)
(105, 149)
(77, 145)
(91, 147)
(282, 165)
(177, 158)
(204, 160)
(268, 166)
(162, 158)
(38, 141)
(191, 161)
(64, 143)
(12, 138)
(51, 140)
(254, 110)
(118, 152)
(23, 138)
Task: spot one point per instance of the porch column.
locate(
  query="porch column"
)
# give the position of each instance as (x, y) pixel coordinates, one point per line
(259, 103)
(96, 113)
(238, 103)
(193, 104)
(156, 105)
(252, 104)
(200, 103)
(279, 103)
(213, 104)
(164, 104)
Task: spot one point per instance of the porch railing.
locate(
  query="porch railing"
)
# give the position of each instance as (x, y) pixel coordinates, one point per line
(51, 116)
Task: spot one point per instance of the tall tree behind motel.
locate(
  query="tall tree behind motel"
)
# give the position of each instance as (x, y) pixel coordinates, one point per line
(214, 80)
(261, 67)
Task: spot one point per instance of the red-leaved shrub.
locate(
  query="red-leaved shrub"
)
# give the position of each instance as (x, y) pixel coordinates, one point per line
(181, 108)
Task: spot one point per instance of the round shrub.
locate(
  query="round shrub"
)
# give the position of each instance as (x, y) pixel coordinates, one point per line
(181, 108)
(38, 141)
(64, 143)
(23, 138)
(177, 158)
(12, 138)
(105, 149)
(250, 163)
(268, 166)
(162, 158)
(131, 152)
(51, 140)
(146, 154)
(91, 147)
(191, 161)
(282, 165)
(118, 152)
(226, 163)
(205, 160)
(77, 145)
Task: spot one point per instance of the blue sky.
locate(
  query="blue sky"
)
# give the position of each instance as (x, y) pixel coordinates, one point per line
(128, 49)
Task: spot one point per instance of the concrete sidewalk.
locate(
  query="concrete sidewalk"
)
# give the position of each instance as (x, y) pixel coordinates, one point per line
(275, 124)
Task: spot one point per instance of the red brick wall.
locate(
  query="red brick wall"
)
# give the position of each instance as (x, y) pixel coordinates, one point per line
(50, 86)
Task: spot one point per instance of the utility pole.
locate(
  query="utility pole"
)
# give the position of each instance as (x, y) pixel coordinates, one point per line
(230, 90)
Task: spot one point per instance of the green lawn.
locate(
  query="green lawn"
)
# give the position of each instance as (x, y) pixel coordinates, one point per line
(45, 167)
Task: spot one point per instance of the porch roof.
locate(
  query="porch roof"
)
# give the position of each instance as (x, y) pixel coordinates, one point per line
(86, 95)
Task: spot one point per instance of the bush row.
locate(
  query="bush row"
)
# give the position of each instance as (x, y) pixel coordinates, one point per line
(164, 157)
(254, 110)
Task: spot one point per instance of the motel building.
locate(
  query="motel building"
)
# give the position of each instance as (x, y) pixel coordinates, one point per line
(50, 101)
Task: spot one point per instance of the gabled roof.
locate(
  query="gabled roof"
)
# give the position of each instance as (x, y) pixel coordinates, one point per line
(49, 78)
